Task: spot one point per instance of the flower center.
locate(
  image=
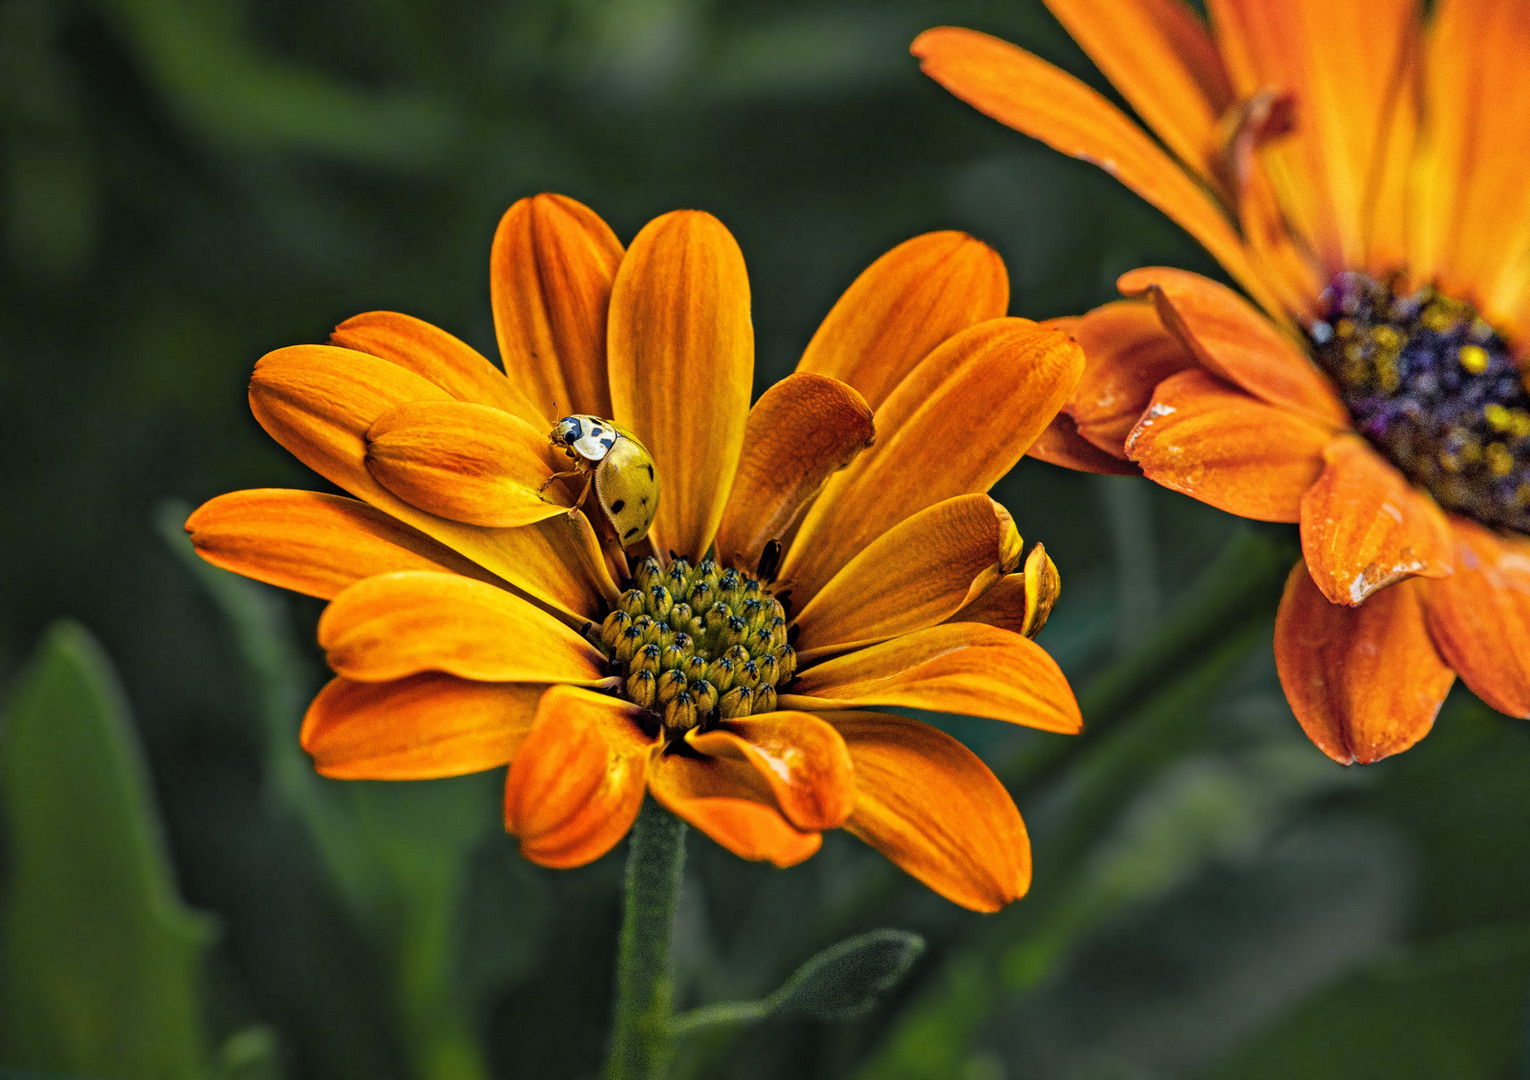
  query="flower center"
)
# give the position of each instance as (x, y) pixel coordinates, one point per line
(695, 644)
(1436, 390)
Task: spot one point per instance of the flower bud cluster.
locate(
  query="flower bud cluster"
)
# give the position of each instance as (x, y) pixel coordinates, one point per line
(698, 643)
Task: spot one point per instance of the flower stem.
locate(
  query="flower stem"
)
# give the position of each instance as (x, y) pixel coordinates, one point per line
(642, 1040)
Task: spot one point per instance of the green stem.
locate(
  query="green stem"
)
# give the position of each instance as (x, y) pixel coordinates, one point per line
(642, 1039)
(721, 1012)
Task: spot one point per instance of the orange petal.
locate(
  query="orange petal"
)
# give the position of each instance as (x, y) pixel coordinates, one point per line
(801, 431)
(312, 543)
(720, 797)
(682, 367)
(1216, 444)
(577, 781)
(1032, 96)
(469, 463)
(1479, 617)
(319, 401)
(928, 804)
(550, 275)
(1364, 526)
(960, 667)
(1160, 57)
(417, 728)
(1365, 682)
(959, 421)
(1233, 340)
(902, 306)
(1019, 602)
(1061, 444)
(914, 575)
(802, 760)
(459, 369)
(394, 625)
(1127, 353)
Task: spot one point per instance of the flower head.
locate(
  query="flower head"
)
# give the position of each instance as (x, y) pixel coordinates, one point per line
(830, 548)
(1358, 170)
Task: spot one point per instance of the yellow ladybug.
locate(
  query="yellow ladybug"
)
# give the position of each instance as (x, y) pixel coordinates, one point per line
(618, 466)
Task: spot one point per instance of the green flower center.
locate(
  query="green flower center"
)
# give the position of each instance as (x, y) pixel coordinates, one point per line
(1436, 390)
(698, 644)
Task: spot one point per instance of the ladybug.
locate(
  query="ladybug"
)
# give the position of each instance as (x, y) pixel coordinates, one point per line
(618, 466)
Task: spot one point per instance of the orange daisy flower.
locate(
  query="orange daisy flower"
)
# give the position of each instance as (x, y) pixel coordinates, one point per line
(797, 569)
(1358, 170)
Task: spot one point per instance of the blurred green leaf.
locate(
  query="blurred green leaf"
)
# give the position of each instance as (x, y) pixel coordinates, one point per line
(846, 980)
(101, 958)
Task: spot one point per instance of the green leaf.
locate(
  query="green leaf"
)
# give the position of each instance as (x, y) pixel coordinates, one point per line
(101, 958)
(846, 980)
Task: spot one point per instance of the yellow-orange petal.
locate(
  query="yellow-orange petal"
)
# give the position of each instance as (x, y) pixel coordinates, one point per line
(1061, 444)
(914, 575)
(318, 401)
(1216, 444)
(1021, 602)
(1232, 339)
(903, 305)
(682, 367)
(1479, 616)
(1365, 527)
(550, 274)
(1161, 58)
(1032, 96)
(311, 542)
(928, 804)
(1364, 682)
(960, 420)
(394, 625)
(802, 760)
(418, 728)
(577, 781)
(1127, 353)
(802, 430)
(470, 463)
(960, 667)
(720, 797)
(456, 367)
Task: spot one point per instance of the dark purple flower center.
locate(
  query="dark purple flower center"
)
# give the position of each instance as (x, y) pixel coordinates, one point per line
(1435, 389)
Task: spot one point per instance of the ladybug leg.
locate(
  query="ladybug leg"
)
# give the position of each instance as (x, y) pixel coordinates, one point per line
(589, 482)
(559, 476)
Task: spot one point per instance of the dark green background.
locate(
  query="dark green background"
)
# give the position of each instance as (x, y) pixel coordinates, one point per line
(186, 185)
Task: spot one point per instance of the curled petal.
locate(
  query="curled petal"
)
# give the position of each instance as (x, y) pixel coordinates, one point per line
(1479, 616)
(801, 759)
(1127, 353)
(1019, 602)
(928, 804)
(958, 667)
(577, 781)
(417, 728)
(394, 625)
(722, 798)
(1365, 682)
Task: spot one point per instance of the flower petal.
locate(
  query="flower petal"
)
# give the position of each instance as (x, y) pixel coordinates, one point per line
(1364, 526)
(682, 367)
(1032, 96)
(1127, 353)
(903, 305)
(394, 625)
(1479, 617)
(312, 543)
(928, 804)
(1365, 682)
(1216, 444)
(802, 760)
(1019, 603)
(577, 781)
(550, 274)
(469, 463)
(319, 401)
(802, 430)
(456, 367)
(960, 420)
(914, 575)
(960, 667)
(719, 796)
(1233, 340)
(418, 728)
(1061, 444)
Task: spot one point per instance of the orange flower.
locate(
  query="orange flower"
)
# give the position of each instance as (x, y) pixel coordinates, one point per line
(810, 572)
(1360, 173)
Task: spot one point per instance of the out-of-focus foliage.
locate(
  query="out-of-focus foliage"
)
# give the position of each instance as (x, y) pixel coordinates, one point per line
(185, 185)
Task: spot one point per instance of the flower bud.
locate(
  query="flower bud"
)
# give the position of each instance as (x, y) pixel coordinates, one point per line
(646, 659)
(786, 666)
(680, 616)
(736, 703)
(767, 668)
(640, 688)
(765, 699)
(706, 697)
(633, 602)
(646, 573)
(614, 626)
(680, 712)
(669, 684)
(659, 601)
(720, 674)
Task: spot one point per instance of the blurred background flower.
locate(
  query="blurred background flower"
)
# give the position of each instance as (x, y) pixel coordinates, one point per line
(186, 187)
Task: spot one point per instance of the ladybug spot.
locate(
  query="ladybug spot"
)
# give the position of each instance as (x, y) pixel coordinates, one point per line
(630, 532)
(618, 506)
(650, 472)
